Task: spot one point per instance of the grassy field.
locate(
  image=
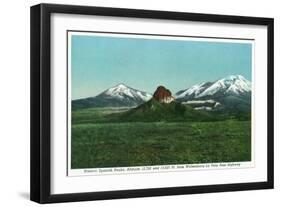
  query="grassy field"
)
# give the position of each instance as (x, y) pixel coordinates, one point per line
(97, 143)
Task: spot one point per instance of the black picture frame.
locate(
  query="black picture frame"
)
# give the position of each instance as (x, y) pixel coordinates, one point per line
(41, 99)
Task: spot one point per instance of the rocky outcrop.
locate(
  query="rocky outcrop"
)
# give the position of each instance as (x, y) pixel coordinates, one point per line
(163, 95)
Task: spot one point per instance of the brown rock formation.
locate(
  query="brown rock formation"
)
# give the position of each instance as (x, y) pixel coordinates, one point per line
(163, 95)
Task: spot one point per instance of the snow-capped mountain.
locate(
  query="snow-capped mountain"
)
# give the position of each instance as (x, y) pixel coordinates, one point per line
(121, 91)
(117, 96)
(231, 85)
(235, 85)
(231, 92)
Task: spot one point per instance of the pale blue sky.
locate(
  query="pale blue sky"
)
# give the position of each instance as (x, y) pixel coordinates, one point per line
(102, 62)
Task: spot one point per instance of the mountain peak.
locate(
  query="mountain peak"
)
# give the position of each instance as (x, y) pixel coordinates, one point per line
(119, 88)
(122, 85)
(123, 91)
(235, 85)
(163, 95)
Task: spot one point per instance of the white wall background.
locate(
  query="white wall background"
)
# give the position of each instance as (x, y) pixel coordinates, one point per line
(14, 101)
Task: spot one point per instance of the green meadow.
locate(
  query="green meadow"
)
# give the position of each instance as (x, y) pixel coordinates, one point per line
(102, 137)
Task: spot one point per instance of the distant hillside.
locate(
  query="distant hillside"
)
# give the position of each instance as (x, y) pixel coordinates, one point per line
(153, 110)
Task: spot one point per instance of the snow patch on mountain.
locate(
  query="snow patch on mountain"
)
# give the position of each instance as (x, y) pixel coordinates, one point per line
(144, 96)
(199, 102)
(208, 105)
(207, 108)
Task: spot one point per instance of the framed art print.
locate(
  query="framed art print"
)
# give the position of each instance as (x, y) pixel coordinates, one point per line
(133, 103)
